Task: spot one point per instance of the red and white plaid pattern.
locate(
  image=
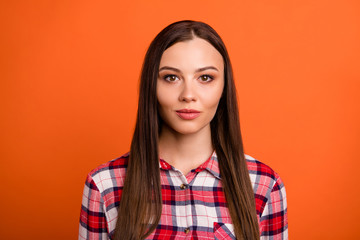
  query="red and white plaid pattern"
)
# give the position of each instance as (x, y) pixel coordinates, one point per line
(194, 206)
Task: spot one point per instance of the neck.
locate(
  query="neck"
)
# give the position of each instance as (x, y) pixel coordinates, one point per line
(185, 151)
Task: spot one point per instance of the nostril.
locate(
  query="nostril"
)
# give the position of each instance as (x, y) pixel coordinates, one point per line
(187, 98)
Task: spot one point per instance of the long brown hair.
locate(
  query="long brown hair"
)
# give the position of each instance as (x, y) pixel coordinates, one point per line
(141, 203)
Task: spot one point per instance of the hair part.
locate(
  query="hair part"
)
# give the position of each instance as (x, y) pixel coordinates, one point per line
(141, 203)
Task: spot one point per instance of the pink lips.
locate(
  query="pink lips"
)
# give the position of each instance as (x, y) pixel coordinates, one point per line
(188, 114)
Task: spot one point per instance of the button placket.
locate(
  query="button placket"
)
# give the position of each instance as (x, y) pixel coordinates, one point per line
(184, 192)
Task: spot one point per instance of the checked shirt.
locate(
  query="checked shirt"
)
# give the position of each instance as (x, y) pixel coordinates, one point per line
(194, 206)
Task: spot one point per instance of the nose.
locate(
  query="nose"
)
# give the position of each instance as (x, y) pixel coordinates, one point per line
(187, 93)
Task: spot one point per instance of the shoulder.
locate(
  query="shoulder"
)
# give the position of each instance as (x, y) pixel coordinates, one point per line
(259, 169)
(101, 196)
(109, 175)
(263, 178)
(270, 200)
(267, 185)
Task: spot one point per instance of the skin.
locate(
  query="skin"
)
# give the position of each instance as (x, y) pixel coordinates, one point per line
(191, 76)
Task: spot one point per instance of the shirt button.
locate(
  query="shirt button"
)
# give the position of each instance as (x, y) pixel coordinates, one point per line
(187, 230)
(183, 186)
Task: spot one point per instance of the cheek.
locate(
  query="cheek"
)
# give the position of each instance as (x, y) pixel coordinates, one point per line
(163, 100)
(165, 97)
(211, 99)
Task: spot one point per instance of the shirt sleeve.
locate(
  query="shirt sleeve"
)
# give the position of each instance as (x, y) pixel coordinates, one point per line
(274, 221)
(93, 224)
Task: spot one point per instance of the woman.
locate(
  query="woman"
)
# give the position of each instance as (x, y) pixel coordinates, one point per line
(186, 174)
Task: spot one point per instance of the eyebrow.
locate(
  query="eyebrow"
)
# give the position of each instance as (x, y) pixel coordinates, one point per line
(197, 70)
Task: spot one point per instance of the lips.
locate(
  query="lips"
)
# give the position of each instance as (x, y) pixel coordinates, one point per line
(187, 114)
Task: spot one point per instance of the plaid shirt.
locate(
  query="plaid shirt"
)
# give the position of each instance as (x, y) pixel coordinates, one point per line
(194, 206)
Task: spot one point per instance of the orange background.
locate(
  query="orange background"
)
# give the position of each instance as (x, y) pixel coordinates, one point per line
(69, 80)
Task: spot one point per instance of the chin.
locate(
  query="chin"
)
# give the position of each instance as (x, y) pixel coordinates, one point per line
(184, 127)
(186, 130)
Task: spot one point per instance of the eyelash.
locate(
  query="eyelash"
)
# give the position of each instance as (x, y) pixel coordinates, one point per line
(210, 77)
(168, 76)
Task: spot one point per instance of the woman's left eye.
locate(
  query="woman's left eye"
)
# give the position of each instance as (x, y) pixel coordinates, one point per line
(206, 78)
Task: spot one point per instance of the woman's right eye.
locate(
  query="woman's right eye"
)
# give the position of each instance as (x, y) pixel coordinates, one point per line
(170, 78)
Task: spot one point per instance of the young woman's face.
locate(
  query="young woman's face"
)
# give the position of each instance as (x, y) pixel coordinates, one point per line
(190, 85)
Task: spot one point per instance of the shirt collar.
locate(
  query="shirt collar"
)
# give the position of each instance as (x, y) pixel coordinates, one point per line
(211, 165)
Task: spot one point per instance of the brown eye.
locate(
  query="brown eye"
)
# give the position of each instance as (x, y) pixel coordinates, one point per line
(170, 78)
(206, 78)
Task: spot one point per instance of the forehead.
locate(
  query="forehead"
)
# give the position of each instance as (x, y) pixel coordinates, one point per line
(192, 54)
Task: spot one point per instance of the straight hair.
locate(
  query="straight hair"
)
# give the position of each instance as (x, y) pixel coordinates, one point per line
(140, 207)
